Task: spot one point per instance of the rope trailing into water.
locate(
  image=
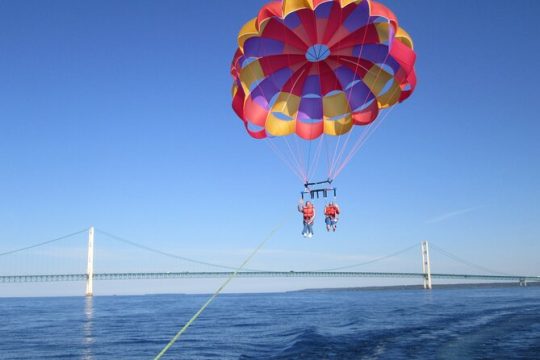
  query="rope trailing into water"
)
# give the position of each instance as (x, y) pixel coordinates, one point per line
(218, 291)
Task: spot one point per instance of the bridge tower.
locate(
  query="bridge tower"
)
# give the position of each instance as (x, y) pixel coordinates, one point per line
(426, 265)
(90, 264)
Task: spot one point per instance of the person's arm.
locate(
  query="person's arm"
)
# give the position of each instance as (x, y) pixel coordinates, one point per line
(301, 205)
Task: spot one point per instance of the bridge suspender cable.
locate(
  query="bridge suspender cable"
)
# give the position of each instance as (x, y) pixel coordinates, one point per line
(218, 291)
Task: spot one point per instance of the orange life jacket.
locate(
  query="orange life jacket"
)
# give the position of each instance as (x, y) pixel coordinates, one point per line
(308, 212)
(330, 211)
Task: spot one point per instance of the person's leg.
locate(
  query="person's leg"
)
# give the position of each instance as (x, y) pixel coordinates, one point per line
(328, 223)
(310, 227)
(305, 231)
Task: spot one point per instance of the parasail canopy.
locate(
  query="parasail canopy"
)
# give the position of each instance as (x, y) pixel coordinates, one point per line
(319, 67)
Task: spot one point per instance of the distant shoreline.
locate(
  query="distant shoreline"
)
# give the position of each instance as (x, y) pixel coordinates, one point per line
(337, 289)
(421, 287)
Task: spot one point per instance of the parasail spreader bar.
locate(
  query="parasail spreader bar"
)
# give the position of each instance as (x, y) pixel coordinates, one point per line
(318, 191)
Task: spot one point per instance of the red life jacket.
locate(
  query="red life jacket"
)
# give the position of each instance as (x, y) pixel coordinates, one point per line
(330, 211)
(308, 212)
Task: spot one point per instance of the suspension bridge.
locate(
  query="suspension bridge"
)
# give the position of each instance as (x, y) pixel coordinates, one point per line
(426, 276)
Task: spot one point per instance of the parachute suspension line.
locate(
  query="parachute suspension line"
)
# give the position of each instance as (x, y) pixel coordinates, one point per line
(218, 291)
(309, 153)
(327, 157)
(283, 158)
(295, 157)
(371, 128)
(300, 169)
(338, 164)
(333, 163)
(296, 171)
(358, 145)
(300, 152)
(336, 160)
(303, 171)
(364, 133)
(295, 153)
(362, 140)
(342, 149)
(319, 151)
(315, 164)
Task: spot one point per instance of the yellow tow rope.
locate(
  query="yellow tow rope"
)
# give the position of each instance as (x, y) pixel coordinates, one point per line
(218, 291)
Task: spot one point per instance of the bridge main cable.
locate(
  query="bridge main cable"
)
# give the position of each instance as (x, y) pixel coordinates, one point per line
(456, 258)
(43, 243)
(160, 252)
(369, 261)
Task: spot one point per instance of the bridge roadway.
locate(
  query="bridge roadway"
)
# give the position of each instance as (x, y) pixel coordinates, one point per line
(254, 274)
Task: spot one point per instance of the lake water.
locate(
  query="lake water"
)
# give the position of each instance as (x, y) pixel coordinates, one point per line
(492, 323)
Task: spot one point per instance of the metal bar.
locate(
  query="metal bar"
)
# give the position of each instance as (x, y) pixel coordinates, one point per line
(318, 183)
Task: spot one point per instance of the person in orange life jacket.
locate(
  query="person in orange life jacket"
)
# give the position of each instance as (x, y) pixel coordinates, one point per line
(331, 211)
(308, 216)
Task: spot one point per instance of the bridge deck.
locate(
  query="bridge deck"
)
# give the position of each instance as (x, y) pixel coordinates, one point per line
(252, 274)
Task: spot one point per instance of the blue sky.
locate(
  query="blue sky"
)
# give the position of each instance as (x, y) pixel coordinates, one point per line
(117, 114)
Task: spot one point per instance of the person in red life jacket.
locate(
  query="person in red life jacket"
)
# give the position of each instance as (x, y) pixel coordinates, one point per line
(308, 216)
(331, 212)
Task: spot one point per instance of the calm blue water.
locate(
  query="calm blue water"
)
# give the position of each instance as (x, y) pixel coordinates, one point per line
(379, 324)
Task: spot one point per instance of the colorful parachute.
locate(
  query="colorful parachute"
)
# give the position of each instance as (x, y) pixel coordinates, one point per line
(319, 67)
